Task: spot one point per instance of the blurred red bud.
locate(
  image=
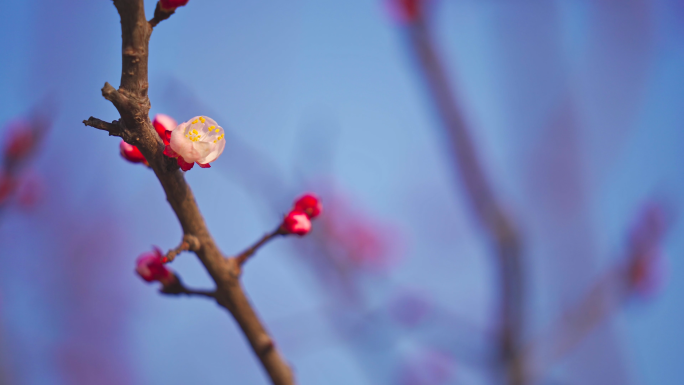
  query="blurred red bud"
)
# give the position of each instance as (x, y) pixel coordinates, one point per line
(30, 190)
(296, 222)
(310, 205)
(20, 141)
(150, 268)
(405, 11)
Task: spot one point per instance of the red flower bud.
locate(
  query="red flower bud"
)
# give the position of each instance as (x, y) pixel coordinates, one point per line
(149, 267)
(164, 125)
(172, 4)
(310, 205)
(296, 222)
(131, 153)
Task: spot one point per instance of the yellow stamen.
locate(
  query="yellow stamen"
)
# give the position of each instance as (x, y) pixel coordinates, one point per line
(202, 119)
(194, 121)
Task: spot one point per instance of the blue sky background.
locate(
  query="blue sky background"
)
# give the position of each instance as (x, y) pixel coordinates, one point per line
(575, 106)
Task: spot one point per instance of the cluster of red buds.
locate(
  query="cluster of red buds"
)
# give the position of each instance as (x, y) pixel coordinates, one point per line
(298, 220)
(163, 124)
(151, 266)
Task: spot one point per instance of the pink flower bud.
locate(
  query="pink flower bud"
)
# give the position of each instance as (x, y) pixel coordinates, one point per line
(199, 140)
(172, 4)
(149, 267)
(164, 125)
(131, 153)
(310, 205)
(296, 222)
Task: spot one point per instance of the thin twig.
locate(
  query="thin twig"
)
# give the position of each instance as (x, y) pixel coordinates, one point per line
(178, 288)
(112, 128)
(189, 243)
(242, 257)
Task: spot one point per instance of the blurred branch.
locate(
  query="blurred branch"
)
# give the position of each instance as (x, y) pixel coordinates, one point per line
(133, 104)
(601, 301)
(499, 228)
(611, 290)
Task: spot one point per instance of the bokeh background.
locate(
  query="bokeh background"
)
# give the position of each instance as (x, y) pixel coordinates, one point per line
(576, 111)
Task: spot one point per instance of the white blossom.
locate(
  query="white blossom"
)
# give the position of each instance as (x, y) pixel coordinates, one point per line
(199, 140)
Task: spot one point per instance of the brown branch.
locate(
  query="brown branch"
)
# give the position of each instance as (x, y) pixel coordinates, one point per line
(242, 257)
(133, 104)
(498, 226)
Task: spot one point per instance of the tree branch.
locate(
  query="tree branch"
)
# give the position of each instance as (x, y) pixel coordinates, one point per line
(132, 102)
(499, 228)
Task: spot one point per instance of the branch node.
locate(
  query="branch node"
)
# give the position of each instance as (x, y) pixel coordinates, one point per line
(192, 242)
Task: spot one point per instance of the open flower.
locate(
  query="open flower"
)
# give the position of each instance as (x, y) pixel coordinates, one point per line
(199, 140)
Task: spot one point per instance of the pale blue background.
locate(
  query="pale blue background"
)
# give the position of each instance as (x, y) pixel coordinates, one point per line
(576, 107)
